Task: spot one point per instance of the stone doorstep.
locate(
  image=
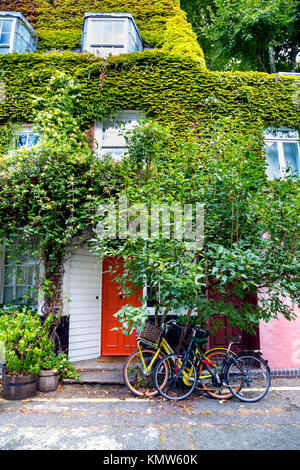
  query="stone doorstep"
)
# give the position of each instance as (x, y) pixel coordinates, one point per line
(98, 377)
(93, 371)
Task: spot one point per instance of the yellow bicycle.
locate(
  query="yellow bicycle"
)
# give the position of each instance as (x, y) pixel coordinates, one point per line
(139, 366)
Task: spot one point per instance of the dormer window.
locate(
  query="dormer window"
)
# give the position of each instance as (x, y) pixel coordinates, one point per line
(282, 149)
(16, 34)
(110, 33)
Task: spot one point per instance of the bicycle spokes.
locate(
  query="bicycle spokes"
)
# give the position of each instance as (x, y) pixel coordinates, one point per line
(249, 378)
(181, 378)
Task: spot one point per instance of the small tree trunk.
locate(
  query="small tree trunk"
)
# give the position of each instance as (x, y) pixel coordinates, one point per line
(272, 59)
(293, 56)
(156, 315)
(167, 309)
(184, 330)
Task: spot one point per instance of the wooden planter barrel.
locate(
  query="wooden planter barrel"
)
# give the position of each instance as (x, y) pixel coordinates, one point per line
(47, 381)
(19, 387)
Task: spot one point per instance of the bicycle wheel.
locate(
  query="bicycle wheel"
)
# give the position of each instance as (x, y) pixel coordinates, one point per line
(254, 375)
(208, 384)
(172, 380)
(139, 382)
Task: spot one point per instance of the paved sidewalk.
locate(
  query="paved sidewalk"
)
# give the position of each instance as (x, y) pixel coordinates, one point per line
(110, 418)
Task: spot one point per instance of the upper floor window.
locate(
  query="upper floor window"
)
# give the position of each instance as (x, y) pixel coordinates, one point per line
(5, 36)
(16, 34)
(282, 149)
(110, 33)
(26, 137)
(109, 133)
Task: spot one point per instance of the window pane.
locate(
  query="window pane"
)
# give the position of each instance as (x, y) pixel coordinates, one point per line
(291, 156)
(20, 276)
(27, 139)
(4, 50)
(22, 140)
(32, 140)
(116, 153)
(108, 32)
(273, 168)
(8, 276)
(20, 292)
(119, 27)
(5, 38)
(97, 32)
(6, 26)
(8, 295)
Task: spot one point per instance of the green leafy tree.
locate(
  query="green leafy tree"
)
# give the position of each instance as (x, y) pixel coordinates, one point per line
(251, 242)
(247, 34)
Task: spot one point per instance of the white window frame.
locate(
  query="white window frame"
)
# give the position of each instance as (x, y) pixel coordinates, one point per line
(26, 129)
(280, 139)
(12, 32)
(98, 131)
(4, 266)
(101, 49)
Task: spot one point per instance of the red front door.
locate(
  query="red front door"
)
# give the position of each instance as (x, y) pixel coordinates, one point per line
(114, 343)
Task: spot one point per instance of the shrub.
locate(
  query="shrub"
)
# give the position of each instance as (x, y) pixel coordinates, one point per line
(60, 363)
(25, 339)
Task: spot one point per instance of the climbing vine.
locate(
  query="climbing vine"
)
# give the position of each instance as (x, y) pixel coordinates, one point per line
(59, 22)
(171, 87)
(50, 191)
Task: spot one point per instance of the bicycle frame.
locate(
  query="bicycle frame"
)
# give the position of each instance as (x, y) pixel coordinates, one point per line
(198, 358)
(163, 346)
(198, 354)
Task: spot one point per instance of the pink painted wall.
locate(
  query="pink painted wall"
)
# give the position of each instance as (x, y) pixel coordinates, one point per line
(280, 342)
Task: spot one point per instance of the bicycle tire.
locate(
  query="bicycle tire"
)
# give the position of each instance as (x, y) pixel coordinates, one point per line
(175, 384)
(255, 375)
(138, 385)
(216, 355)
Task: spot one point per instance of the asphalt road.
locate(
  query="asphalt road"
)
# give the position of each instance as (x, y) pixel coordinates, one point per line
(110, 418)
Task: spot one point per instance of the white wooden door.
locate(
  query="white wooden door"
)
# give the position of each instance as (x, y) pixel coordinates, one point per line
(83, 287)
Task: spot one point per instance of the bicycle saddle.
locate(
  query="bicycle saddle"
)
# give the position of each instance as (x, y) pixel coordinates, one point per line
(233, 339)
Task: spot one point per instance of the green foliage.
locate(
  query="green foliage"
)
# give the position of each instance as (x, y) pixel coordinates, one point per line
(171, 88)
(50, 190)
(59, 363)
(131, 318)
(179, 38)
(251, 227)
(25, 339)
(239, 34)
(59, 22)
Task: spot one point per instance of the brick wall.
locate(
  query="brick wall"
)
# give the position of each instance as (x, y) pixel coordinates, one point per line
(280, 342)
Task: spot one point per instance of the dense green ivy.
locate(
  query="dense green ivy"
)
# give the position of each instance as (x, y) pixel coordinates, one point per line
(59, 22)
(172, 88)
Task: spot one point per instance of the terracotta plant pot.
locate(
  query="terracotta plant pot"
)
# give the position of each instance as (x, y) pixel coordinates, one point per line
(19, 387)
(47, 381)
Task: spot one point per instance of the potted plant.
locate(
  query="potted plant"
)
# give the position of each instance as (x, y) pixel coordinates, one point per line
(53, 368)
(48, 375)
(24, 338)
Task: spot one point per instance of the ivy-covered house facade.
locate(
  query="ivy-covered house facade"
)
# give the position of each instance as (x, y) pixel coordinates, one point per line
(138, 59)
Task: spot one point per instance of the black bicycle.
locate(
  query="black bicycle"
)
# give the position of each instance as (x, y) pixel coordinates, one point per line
(245, 375)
